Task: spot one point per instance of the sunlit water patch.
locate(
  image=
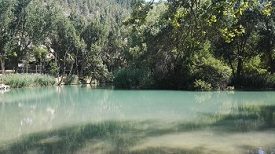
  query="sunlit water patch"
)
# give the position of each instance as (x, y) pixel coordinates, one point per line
(78, 119)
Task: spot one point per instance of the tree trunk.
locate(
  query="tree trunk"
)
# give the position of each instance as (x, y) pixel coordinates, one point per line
(269, 48)
(232, 67)
(271, 62)
(273, 66)
(2, 65)
(59, 82)
(71, 69)
(239, 68)
(27, 67)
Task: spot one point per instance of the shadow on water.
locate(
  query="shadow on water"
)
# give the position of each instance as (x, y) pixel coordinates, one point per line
(122, 136)
(106, 137)
(71, 139)
(165, 150)
(247, 118)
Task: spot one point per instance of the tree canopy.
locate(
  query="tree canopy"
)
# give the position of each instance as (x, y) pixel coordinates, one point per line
(174, 44)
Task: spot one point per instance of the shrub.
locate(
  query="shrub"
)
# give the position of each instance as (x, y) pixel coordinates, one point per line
(255, 81)
(27, 80)
(72, 79)
(53, 68)
(254, 76)
(43, 80)
(202, 85)
(271, 81)
(211, 70)
(132, 78)
(217, 76)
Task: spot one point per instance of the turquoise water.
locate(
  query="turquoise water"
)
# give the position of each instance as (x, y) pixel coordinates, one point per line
(78, 119)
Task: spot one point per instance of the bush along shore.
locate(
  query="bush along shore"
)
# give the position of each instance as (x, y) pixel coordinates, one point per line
(27, 80)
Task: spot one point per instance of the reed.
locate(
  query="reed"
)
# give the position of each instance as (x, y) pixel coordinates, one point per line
(27, 80)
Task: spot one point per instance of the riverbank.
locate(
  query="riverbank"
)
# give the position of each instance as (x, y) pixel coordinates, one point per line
(42, 80)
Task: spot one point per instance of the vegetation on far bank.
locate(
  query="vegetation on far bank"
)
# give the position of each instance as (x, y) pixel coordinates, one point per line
(27, 80)
(195, 45)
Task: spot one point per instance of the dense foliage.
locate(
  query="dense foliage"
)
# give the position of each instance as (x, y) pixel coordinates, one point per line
(173, 44)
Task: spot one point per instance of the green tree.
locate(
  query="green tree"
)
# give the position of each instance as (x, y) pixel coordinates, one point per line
(266, 28)
(94, 35)
(6, 29)
(66, 44)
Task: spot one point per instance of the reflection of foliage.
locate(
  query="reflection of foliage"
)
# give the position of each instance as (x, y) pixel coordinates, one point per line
(203, 97)
(27, 95)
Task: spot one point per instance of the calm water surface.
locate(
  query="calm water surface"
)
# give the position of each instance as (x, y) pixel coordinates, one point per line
(77, 119)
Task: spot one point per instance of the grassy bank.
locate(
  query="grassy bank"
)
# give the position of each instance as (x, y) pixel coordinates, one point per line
(27, 80)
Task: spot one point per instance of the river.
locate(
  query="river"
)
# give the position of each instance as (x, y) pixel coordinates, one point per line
(75, 119)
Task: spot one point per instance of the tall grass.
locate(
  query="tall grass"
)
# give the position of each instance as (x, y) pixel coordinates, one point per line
(27, 80)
